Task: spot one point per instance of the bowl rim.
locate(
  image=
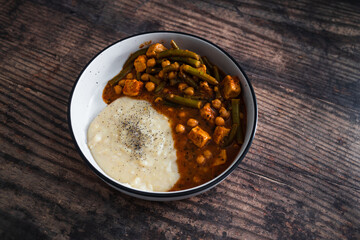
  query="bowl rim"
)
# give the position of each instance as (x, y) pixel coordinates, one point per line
(174, 194)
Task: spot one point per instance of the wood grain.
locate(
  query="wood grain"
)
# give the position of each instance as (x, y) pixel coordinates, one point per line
(300, 179)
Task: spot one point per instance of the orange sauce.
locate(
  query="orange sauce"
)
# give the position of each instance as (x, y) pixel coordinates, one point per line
(191, 173)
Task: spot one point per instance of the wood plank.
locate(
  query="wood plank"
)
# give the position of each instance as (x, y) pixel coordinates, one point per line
(300, 179)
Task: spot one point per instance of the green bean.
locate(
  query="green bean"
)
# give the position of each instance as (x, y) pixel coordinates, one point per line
(235, 104)
(199, 74)
(216, 73)
(188, 80)
(191, 61)
(174, 45)
(121, 75)
(170, 104)
(153, 70)
(138, 76)
(178, 53)
(160, 87)
(154, 79)
(171, 68)
(173, 82)
(240, 135)
(217, 93)
(222, 74)
(232, 134)
(188, 102)
(209, 67)
(235, 111)
(134, 55)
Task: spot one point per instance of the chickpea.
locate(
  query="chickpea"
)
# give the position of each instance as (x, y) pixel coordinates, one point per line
(129, 76)
(165, 63)
(192, 122)
(216, 103)
(122, 82)
(161, 74)
(189, 91)
(207, 154)
(176, 65)
(224, 113)
(180, 128)
(182, 114)
(150, 86)
(182, 86)
(151, 62)
(145, 77)
(219, 121)
(172, 75)
(118, 89)
(200, 159)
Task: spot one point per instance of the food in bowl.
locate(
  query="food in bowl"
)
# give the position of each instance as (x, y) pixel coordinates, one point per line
(135, 149)
(203, 105)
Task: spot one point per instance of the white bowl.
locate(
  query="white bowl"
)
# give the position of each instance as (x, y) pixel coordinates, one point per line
(86, 101)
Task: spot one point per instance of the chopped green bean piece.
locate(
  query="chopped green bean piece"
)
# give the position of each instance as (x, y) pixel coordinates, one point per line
(171, 67)
(232, 134)
(133, 56)
(188, 80)
(174, 45)
(195, 72)
(154, 79)
(188, 102)
(121, 75)
(153, 70)
(235, 111)
(235, 104)
(138, 76)
(216, 73)
(160, 87)
(209, 66)
(178, 53)
(191, 61)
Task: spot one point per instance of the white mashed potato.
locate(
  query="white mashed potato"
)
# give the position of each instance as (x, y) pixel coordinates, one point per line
(133, 144)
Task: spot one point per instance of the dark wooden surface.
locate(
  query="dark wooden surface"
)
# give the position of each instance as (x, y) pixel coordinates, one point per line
(300, 179)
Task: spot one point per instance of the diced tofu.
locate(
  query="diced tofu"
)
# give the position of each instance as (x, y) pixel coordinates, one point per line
(140, 63)
(205, 88)
(220, 133)
(155, 48)
(132, 87)
(231, 87)
(198, 136)
(220, 159)
(208, 113)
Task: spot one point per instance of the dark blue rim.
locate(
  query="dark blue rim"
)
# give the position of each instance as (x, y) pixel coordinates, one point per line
(185, 192)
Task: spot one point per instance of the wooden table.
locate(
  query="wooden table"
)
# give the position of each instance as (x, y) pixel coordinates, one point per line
(300, 179)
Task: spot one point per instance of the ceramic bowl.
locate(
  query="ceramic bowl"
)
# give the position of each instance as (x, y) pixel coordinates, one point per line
(86, 101)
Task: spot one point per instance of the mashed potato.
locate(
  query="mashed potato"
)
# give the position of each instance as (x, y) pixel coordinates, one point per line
(133, 144)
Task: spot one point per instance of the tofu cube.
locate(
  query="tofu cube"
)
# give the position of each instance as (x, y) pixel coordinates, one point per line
(231, 87)
(140, 63)
(132, 87)
(208, 113)
(220, 133)
(220, 159)
(198, 136)
(155, 48)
